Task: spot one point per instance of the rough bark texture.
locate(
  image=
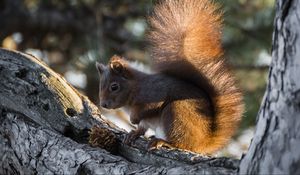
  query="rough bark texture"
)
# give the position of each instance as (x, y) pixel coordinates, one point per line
(275, 147)
(44, 126)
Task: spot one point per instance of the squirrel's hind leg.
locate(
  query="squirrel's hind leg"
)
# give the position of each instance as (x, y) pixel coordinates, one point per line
(165, 119)
(157, 143)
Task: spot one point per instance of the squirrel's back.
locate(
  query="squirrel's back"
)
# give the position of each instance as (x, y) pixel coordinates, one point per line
(186, 43)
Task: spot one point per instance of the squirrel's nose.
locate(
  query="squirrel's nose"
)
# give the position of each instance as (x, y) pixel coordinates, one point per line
(104, 104)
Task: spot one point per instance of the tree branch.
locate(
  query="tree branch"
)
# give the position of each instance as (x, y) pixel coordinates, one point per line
(44, 125)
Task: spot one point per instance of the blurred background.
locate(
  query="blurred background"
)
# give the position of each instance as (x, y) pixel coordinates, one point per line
(71, 35)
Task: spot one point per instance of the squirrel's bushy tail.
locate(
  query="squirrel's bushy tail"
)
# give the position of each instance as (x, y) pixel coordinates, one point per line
(186, 42)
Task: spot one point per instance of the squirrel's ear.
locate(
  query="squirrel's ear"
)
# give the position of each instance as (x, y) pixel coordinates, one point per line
(116, 58)
(116, 67)
(100, 67)
(120, 68)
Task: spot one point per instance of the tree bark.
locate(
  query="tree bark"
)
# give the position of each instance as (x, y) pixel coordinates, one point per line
(44, 125)
(275, 147)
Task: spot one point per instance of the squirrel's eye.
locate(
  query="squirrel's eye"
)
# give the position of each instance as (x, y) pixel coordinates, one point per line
(114, 87)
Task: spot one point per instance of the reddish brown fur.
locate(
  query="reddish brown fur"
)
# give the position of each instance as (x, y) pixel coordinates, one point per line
(186, 42)
(192, 97)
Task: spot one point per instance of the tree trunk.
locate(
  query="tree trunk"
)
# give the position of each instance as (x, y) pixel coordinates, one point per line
(275, 147)
(44, 125)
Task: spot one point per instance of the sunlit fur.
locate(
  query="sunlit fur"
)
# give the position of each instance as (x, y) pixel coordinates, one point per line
(186, 43)
(192, 96)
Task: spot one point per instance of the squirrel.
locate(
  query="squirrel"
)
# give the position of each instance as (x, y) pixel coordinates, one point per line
(191, 100)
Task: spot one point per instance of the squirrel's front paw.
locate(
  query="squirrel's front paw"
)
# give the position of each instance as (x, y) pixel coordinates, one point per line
(131, 137)
(156, 143)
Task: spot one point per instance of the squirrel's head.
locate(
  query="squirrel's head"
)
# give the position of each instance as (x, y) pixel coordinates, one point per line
(115, 83)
